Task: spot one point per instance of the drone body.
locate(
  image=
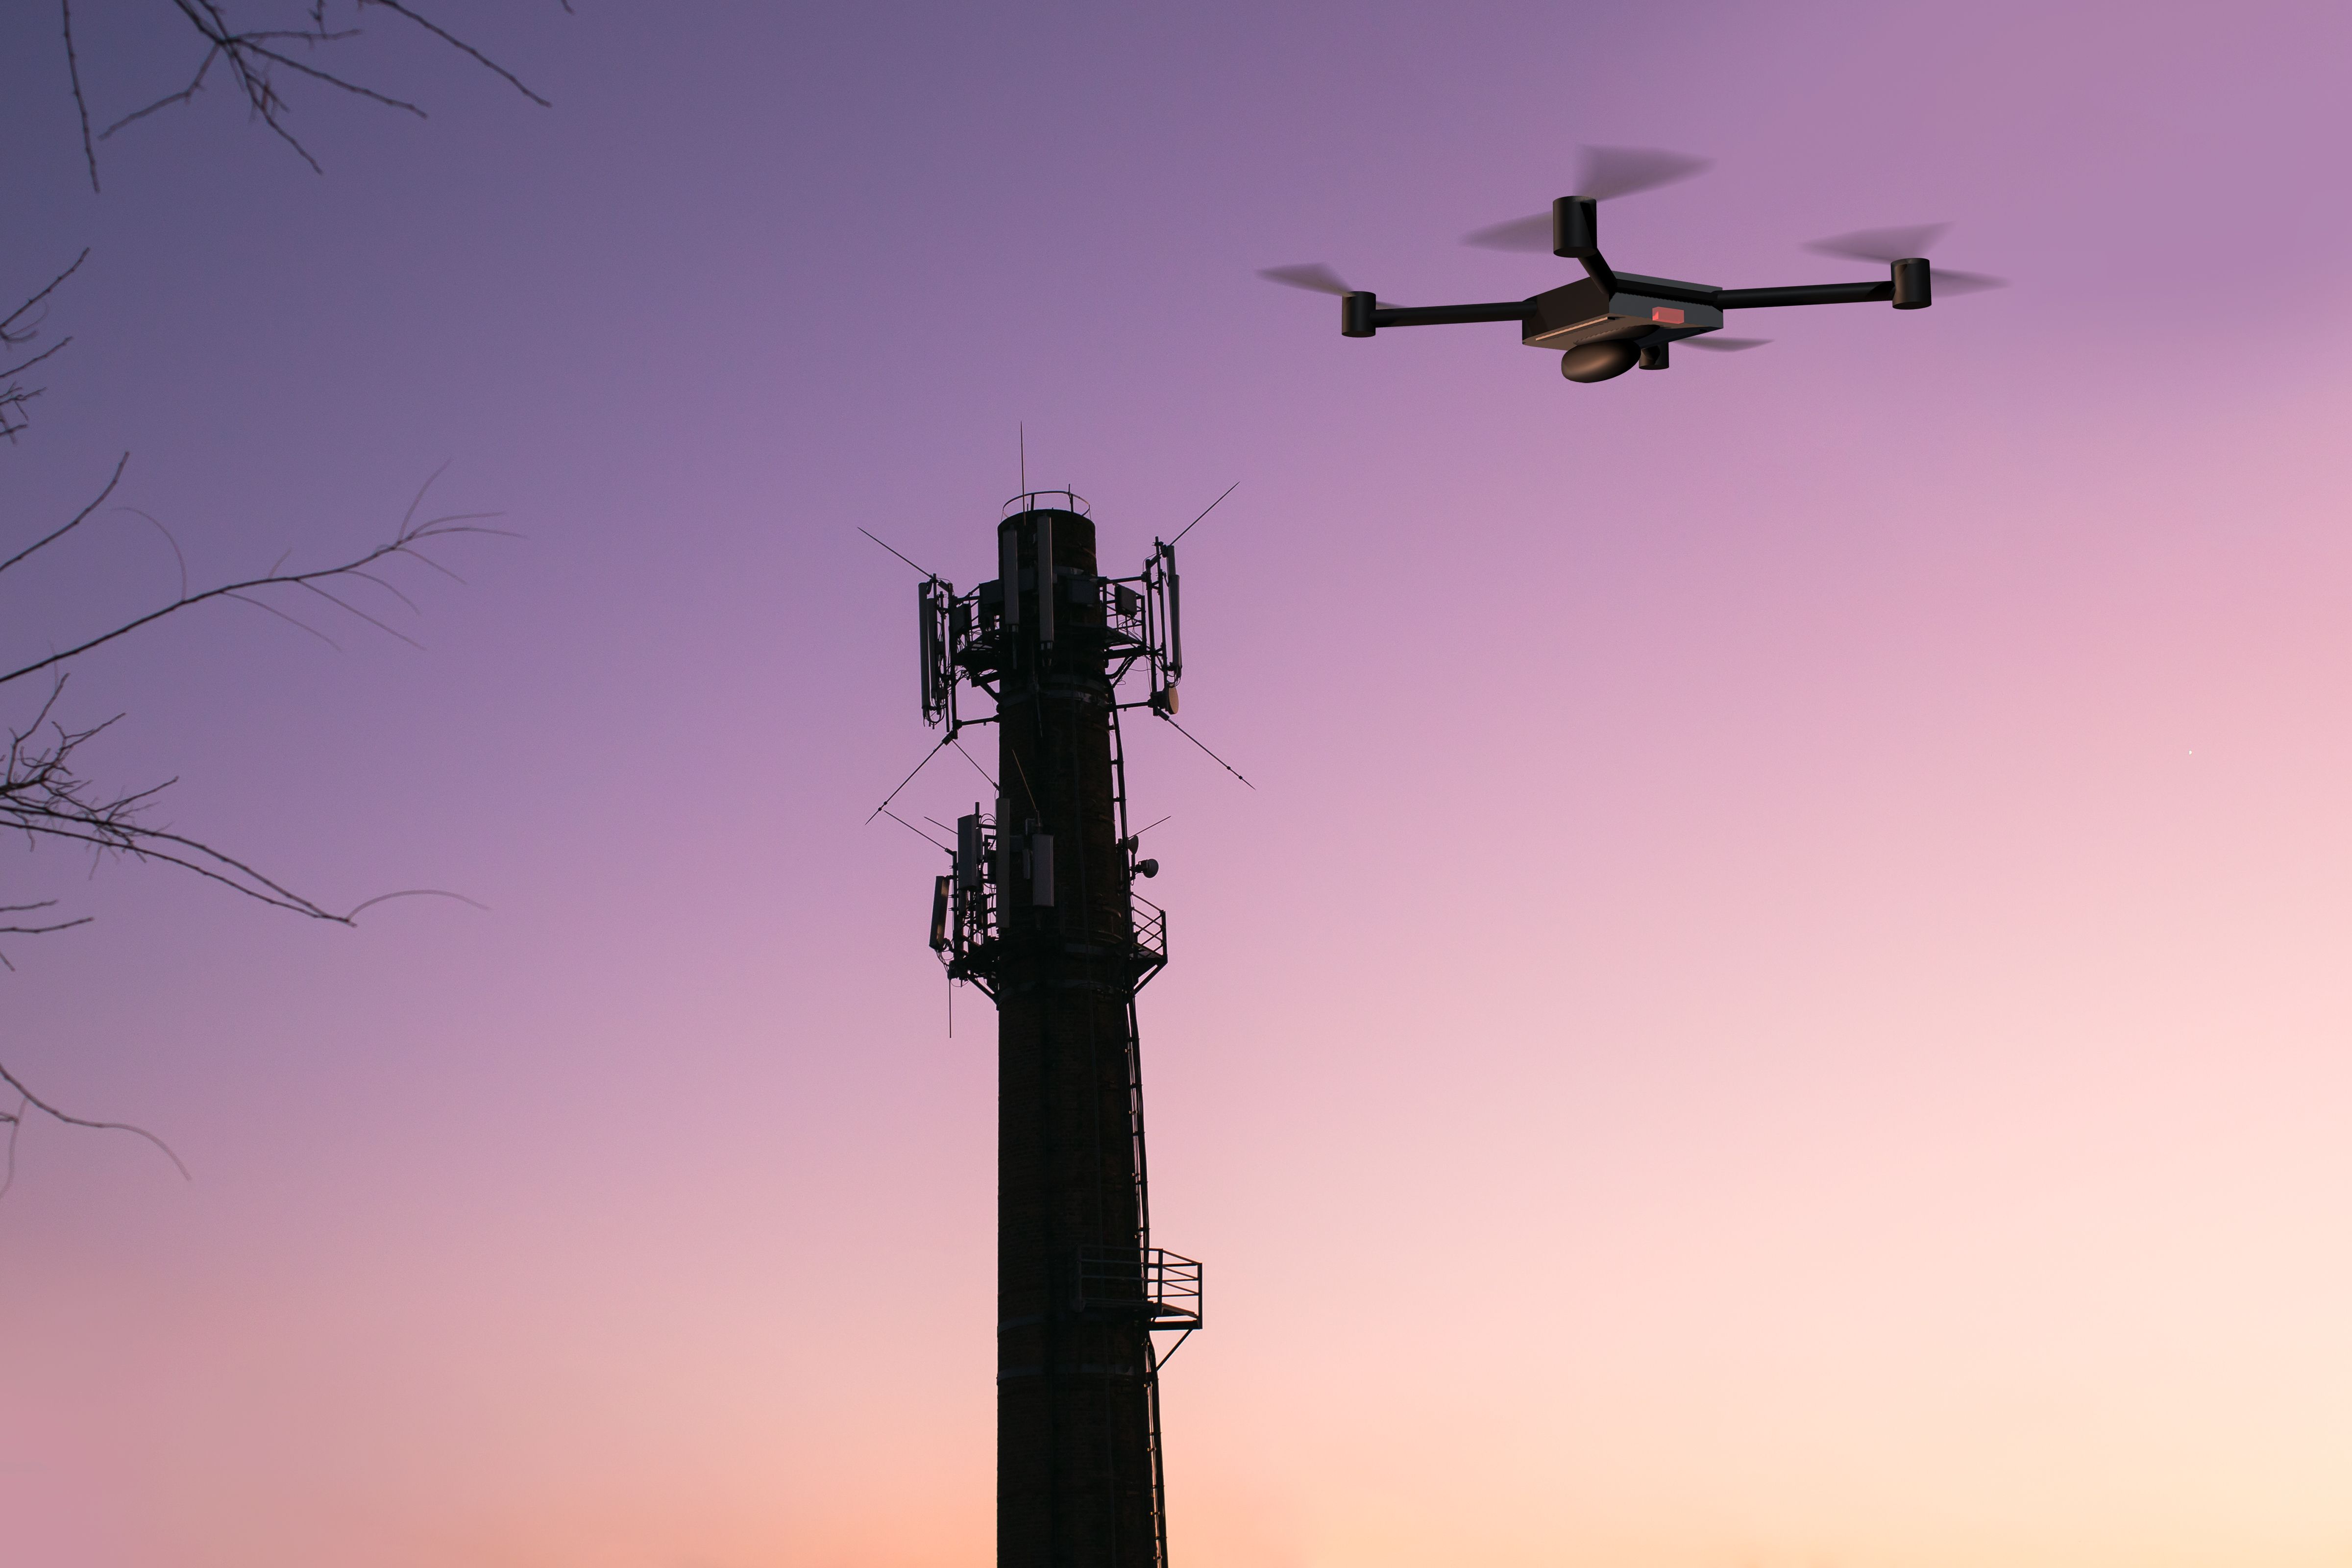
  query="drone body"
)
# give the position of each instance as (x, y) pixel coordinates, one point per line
(1607, 321)
(1602, 333)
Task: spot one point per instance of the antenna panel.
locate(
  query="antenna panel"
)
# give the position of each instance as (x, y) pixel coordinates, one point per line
(935, 610)
(965, 924)
(1162, 614)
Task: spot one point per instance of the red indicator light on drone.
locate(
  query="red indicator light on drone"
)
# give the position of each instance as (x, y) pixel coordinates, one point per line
(1670, 316)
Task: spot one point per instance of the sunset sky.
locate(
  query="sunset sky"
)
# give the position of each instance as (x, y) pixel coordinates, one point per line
(1783, 998)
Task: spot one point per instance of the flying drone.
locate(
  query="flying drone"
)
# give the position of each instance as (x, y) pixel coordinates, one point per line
(1608, 322)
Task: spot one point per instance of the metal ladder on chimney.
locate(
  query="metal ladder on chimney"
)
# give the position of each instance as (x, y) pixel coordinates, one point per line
(1135, 1135)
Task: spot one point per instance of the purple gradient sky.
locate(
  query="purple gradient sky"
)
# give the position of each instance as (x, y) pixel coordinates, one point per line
(1782, 1000)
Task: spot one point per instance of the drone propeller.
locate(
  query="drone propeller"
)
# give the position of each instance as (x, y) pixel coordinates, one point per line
(1721, 345)
(1532, 233)
(1312, 275)
(1886, 245)
(1605, 173)
(1611, 172)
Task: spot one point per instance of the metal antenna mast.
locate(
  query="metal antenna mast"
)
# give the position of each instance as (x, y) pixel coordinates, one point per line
(1039, 909)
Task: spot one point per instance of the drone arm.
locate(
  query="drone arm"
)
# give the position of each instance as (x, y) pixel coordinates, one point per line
(1362, 315)
(1907, 287)
(1804, 294)
(1448, 315)
(1670, 288)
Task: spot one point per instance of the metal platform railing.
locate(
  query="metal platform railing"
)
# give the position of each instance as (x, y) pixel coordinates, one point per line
(1043, 500)
(1150, 937)
(1147, 1283)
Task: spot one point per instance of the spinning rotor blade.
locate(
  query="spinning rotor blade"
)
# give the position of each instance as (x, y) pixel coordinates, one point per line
(1944, 283)
(1314, 276)
(1721, 345)
(1311, 275)
(1881, 245)
(1605, 173)
(1611, 172)
(1531, 232)
(1890, 245)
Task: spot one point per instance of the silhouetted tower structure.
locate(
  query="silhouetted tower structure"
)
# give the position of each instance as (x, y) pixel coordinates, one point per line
(1039, 909)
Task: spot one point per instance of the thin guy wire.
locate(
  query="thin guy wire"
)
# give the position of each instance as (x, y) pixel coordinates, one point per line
(1213, 756)
(1196, 522)
(903, 782)
(878, 539)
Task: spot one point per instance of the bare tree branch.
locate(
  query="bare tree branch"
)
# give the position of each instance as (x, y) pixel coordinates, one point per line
(14, 328)
(36, 931)
(407, 542)
(26, 1097)
(76, 521)
(44, 795)
(177, 554)
(253, 56)
(89, 155)
(464, 48)
(15, 331)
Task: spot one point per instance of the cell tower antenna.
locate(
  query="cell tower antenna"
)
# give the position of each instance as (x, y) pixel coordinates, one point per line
(1039, 909)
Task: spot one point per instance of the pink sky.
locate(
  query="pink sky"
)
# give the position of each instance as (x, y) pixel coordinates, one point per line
(1780, 1000)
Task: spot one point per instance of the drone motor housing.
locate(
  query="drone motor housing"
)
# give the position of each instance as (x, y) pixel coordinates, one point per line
(1913, 290)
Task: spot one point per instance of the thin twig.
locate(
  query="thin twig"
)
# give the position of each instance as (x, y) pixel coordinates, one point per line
(45, 795)
(405, 543)
(37, 1103)
(289, 620)
(15, 332)
(174, 543)
(116, 478)
(16, 1125)
(413, 893)
(464, 48)
(252, 56)
(89, 153)
(9, 331)
(21, 366)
